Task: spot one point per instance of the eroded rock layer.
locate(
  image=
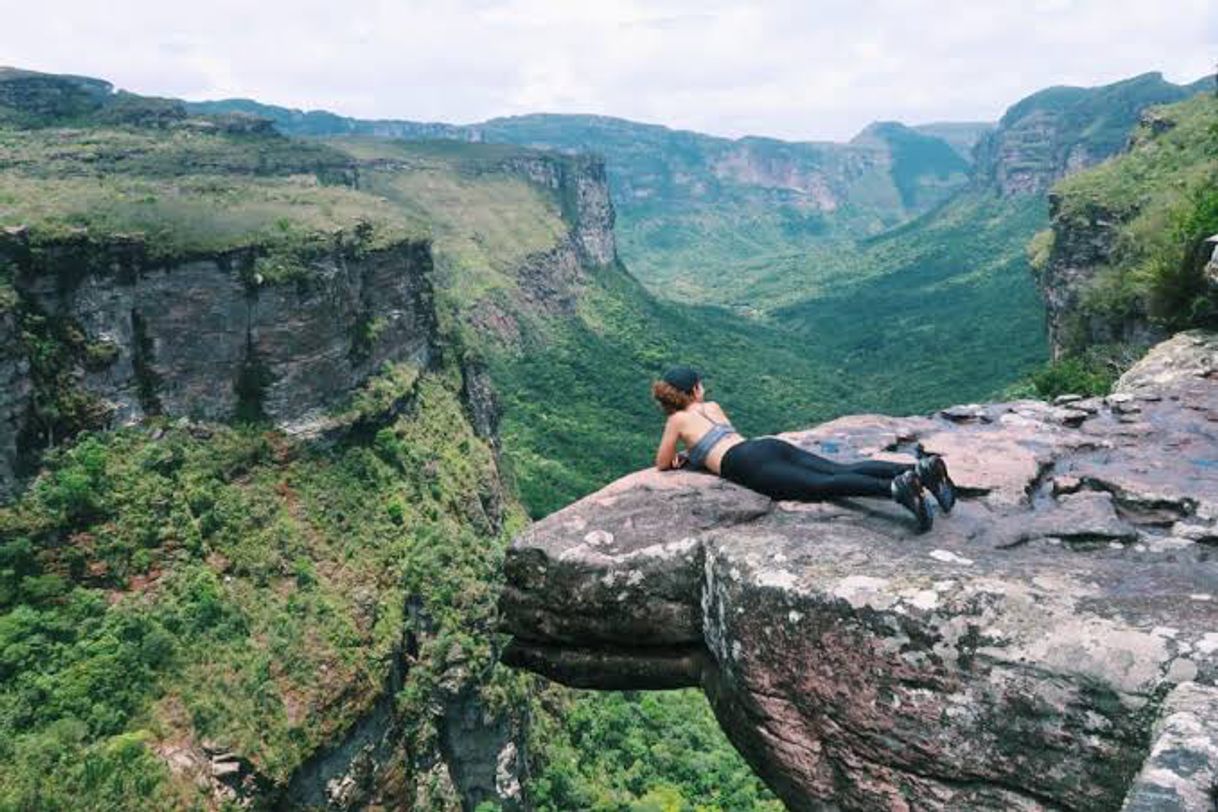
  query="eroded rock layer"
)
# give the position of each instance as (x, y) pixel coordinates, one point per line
(1015, 657)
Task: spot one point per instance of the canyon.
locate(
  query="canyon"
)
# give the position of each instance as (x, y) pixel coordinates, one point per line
(1023, 654)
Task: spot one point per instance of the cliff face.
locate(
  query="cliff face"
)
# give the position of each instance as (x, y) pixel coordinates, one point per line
(1061, 130)
(208, 338)
(1015, 657)
(580, 183)
(40, 97)
(1082, 246)
(1127, 254)
(14, 391)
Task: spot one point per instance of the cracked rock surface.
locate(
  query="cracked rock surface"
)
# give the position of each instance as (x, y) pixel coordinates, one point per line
(1017, 656)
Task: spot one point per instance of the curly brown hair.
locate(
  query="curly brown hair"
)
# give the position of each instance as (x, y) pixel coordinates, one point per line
(670, 398)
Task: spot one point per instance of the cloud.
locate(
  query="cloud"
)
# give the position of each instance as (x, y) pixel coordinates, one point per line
(807, 70)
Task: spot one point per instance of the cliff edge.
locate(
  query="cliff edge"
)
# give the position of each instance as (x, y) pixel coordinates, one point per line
(1041, 648)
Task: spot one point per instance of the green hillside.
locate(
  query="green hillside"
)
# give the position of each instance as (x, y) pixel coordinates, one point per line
(697, 213)
(1061, 130)
(1160, 201)
(575, 385)
(175, 584)
(940, 310)
(164, 586)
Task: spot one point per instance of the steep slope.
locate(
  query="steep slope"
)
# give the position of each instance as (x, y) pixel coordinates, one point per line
(1124, 261)
(202, 607)
(918, 159)
(945, 306)
(223, 569)
(1025, 654)
(1064, 129)
(696, 211)
(941, 309)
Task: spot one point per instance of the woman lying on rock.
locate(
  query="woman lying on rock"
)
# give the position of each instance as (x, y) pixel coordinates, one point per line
(779, 469)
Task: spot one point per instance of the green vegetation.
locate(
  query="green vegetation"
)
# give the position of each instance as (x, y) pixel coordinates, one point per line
(703, 219)
(175, 583)
(223, 569)
(961, 136)
(1168, 152)
(942, 310)
(577, 405)
(918, 159)
(167, 585)
(186, 192)
(637, 752)
(1162, 195)
(484, 219)
(1099, 118)
(575, 385)
(1090, 373)
(698, 217)
(59, 408)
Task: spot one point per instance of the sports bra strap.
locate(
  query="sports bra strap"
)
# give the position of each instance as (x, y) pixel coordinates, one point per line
(701, 449)
(713, 420)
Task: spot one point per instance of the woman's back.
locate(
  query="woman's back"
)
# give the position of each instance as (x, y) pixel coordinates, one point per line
(704, 427)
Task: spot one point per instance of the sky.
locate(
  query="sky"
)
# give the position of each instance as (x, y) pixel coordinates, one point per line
(812, 70)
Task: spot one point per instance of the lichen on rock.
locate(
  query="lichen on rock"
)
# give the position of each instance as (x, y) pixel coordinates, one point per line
(1015, 657)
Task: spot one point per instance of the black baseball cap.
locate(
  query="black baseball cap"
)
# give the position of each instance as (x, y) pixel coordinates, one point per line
(683, 378)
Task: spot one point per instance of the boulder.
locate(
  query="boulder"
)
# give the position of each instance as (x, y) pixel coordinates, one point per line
(1020, 655)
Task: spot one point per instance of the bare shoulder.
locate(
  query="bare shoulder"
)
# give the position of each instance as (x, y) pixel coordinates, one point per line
(716, 408)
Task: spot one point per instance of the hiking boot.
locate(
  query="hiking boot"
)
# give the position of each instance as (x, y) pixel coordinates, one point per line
(932, 470)
(907, 491)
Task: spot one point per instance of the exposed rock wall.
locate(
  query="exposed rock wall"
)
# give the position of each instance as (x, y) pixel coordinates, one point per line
(1015, 657)
(206, 337)
(45, 97)
(1081, 247)
(1026, 155)
(14, 394)
(580, 183)
(1181, 773)
(1061, 130)
(479, 758)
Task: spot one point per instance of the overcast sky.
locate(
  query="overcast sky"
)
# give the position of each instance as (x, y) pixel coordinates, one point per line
(817, 69)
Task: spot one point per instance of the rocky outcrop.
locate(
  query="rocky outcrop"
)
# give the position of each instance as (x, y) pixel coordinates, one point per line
(1209, 273)
(581, 186)
(34, 97)
(207, 337)
(1061, 130)
(1180, 773)
(1082, 245)
(479, 757)
(14, 393)
(1018, 656)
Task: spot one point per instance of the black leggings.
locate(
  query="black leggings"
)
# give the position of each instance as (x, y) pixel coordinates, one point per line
(782, 470)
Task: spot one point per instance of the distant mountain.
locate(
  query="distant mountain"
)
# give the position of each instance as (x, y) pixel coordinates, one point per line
(961, 135)
(693, 208)
(320, 122)
(1061, 130)
(916, 157)
(723, 221)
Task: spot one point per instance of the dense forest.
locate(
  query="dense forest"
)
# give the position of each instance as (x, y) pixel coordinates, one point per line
(182, 585)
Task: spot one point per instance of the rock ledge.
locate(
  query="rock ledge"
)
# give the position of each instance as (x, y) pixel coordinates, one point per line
(1047, 646)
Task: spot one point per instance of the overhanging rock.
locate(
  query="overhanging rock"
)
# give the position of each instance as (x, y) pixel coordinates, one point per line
(1018, 656)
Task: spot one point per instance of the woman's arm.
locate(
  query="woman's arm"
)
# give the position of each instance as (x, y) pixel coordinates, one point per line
(666, 454)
